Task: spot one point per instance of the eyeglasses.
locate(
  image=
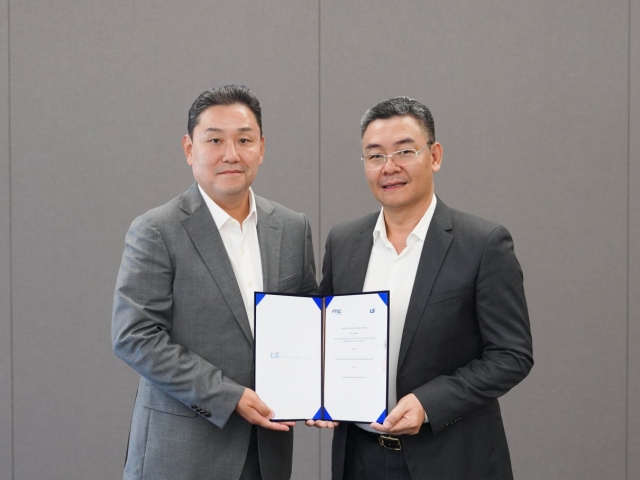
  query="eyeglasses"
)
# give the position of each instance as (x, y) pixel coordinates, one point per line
(402, 158)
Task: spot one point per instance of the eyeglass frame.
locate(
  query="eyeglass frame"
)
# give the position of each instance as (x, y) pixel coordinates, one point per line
(390, 156)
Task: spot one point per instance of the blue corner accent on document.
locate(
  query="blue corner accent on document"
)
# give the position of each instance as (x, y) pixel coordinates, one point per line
(382, 416)
(327, 300)
(318, 301)
(385, 297)
(259, 297)
(322, 414)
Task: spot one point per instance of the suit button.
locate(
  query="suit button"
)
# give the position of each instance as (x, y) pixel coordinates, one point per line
(194, 407)
(206, 414)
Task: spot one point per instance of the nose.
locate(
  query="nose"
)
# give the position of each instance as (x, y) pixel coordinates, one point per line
(390, 166)
(230, 153)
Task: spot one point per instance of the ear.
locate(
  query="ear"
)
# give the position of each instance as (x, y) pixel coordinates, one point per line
(261, 150)
(436, 157)
(187, 146)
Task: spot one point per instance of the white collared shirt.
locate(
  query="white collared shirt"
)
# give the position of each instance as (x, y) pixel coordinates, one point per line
(243, 249)
(389, 271)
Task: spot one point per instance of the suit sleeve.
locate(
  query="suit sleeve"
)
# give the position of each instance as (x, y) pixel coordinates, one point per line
(503, 323)
(142, 320)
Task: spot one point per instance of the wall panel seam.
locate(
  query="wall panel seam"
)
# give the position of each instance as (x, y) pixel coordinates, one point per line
(11, 383)
(320, 253)
(319, 142)
(626, 450)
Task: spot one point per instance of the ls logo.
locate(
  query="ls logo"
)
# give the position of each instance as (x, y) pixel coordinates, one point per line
(275, 355)
(372, 310)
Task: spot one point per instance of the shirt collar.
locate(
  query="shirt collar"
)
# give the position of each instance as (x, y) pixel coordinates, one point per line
(418, 233)
(220, 216)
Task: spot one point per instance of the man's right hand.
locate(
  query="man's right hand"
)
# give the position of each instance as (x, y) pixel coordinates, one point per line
(321, 424)
(256, 412)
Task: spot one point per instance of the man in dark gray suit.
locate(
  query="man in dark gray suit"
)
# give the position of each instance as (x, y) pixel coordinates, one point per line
(183, 306)
(459, 331)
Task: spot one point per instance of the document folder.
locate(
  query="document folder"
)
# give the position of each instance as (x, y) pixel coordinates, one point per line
(323, 358)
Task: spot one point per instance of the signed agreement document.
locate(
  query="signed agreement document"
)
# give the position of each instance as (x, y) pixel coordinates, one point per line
(322, 358)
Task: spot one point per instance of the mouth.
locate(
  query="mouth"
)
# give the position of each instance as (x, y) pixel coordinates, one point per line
(230, 172)
(393, 186)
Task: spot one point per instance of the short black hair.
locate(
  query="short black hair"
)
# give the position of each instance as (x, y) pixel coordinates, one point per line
(400, 107)
(225, 95)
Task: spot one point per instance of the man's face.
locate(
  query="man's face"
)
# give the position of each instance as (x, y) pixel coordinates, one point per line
(401, 189)
(225, 152)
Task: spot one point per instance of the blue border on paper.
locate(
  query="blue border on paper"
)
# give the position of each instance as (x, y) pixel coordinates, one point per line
(318, 301)
(322, 414)
(385, 297)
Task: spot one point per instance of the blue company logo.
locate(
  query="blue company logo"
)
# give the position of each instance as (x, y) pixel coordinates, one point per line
(372, 310)
(287, 356)
(336, 311)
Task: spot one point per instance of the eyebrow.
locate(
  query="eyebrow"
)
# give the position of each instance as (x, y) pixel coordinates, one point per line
(403, 141)
(216, 129)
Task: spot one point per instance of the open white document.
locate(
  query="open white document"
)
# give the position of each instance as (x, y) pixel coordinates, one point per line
(323, 358)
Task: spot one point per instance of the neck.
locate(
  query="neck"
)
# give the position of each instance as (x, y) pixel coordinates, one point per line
(238, 212)
(236, 208)
(400, 223)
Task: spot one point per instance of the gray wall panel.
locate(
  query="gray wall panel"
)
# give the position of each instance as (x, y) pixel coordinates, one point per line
(6, 447)
(99, 108)
(531, 104)
(515, 88)
(306, 462)
(326, 436)
(633, 425)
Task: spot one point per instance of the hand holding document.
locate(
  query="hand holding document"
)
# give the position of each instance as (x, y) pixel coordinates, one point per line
(405, 419)
(323, 358)
(256, 412)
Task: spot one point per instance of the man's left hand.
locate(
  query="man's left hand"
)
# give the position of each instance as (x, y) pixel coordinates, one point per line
(405, 419)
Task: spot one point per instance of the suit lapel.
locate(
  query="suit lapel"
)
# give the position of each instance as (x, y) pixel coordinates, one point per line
(434, 250)
(360, 252)
(270, 240)
(206, 238)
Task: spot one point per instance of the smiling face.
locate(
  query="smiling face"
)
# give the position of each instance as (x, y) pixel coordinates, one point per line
(225, 153)
(401, 190)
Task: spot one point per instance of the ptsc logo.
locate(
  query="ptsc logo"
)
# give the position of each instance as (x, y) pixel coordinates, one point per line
(336, 311)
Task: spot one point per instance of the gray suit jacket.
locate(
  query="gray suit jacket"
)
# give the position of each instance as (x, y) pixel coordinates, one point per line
(466, 340)
(179, 321)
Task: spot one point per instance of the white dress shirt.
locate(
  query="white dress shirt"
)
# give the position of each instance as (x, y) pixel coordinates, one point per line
(243, 249)
(389, 271)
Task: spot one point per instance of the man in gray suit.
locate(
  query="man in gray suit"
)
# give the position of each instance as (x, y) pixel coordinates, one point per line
(459, 332)
(183, 306)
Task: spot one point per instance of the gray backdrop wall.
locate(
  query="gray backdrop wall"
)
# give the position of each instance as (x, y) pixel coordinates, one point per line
(537, 105)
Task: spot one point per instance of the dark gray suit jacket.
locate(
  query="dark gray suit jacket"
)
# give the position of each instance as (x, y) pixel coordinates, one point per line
(466, 340)
(179, 321)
